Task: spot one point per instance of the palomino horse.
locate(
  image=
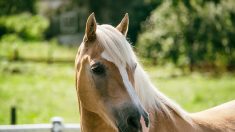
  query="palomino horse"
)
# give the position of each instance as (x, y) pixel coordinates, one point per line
(115, 94)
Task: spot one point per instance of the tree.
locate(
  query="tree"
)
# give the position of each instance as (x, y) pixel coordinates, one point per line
(192, 33)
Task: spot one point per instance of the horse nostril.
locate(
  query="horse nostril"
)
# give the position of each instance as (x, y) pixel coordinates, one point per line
(133, 121)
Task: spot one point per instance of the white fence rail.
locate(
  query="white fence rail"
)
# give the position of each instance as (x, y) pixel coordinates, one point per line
(56, 126)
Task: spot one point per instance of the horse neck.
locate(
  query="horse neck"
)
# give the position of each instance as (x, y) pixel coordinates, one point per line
(91, 122)
(161, 122)
(165, 115)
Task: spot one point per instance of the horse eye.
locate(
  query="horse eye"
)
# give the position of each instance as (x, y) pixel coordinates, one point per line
(98, 68)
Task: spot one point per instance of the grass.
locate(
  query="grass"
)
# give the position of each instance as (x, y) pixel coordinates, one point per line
(41, 91)
(38, 90)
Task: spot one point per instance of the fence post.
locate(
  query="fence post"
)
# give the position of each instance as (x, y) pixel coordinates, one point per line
(13, 115)
(57, 124)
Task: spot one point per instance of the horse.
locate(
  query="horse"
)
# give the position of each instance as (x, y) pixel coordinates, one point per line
(115, 93)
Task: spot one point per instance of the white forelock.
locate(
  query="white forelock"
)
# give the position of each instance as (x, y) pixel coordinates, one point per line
(116, 45)
(118, 49)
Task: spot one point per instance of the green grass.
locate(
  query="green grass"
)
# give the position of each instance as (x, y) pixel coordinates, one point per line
(41, 91)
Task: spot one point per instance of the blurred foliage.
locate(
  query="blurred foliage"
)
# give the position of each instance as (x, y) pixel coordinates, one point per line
(112, 11)
(25, 26)
(108, 12)
(191, 33)
(10, 7)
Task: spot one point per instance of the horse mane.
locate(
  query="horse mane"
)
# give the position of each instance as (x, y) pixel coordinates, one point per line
(121, 52)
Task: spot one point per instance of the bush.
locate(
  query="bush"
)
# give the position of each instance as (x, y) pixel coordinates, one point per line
(26, 26)
(194, 34)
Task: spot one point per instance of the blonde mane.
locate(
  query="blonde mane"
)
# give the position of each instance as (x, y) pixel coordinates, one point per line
(121, 52)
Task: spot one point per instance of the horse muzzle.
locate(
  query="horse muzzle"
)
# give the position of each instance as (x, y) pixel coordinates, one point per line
(128, 119)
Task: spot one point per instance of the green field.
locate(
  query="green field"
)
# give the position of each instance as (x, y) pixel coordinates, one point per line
(41, 90)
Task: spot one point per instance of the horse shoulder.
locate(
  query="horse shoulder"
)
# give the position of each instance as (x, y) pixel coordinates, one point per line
(217, 119)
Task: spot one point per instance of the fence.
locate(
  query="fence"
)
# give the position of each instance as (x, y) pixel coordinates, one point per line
(56, 126)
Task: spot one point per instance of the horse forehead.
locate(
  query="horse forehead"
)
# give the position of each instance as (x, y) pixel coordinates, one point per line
(123, 69)
(91, 49)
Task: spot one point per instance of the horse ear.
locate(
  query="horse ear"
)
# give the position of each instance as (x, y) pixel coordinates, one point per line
(90, 27)
(123, 25)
